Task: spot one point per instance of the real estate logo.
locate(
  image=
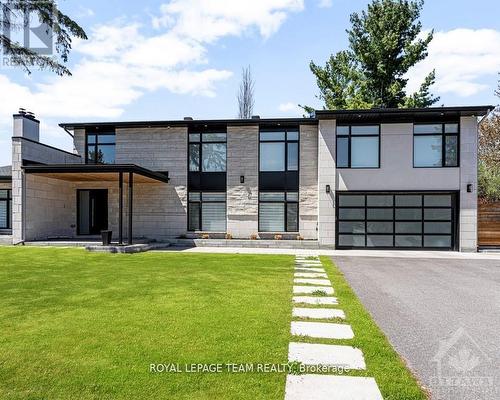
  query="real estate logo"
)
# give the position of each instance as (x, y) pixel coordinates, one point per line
(462, 368)
(24, 31)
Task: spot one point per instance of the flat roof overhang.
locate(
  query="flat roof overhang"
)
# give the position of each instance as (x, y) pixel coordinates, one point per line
(192, 124)
(96, 172)
(387, 115)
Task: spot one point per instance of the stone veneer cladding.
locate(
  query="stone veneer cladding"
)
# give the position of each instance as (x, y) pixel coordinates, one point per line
(242, 198)
(326, 176)
(308, 182)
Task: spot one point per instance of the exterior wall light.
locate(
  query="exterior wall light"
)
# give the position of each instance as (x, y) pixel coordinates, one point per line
(328, 189)
(469, 188)
(242, 179)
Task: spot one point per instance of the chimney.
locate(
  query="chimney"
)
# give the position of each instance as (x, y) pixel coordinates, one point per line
(26, 125)
(188, 118)
(255, 116)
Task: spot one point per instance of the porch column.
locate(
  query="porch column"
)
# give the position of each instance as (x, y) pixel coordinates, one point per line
(130, 204)
(120, 212)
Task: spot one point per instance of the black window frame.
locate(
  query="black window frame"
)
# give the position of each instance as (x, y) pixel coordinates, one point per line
(349, 137)
(97, 133)
(286, 141)
(454, 221)
(200, 143)
(200, 212)
(8, 201)
(443, 135)
(286, 202)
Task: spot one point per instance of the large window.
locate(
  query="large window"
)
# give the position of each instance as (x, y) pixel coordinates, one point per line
(279, 150)
(100, 148)
(5, 208)
(278, 212)
(207, 152)
(207, 212)
(435, 145)
(358, 146)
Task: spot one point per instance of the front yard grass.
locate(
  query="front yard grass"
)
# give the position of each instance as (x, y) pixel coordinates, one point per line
(77, 325)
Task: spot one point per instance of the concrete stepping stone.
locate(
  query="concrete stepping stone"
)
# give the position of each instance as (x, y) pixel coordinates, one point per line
(318, 313)
(328, 387)
(307, 262)
(310, 275)
(309, 281)
(323, 330)
(302, 269)
(326, 354)
(309, 265)
(298, 289)
(324, 301)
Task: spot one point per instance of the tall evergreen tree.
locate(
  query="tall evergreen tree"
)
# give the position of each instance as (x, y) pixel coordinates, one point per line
(384, 43)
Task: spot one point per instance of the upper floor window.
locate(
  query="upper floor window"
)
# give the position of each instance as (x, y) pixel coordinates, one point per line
(358, 146)
(279, 150)
(435, 145)
(207, 152)
(100, 148)
(5, 208)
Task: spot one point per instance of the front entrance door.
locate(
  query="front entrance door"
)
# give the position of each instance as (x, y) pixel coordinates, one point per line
(92, 211)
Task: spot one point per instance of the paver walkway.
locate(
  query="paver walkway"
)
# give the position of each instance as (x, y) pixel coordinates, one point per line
(315, 318)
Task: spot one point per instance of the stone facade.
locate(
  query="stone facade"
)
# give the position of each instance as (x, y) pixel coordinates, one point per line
(33, 212)
(326, 176)
(308, 182)
(242, 198)
(468, 175)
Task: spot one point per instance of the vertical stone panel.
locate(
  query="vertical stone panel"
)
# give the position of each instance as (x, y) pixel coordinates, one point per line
(326, 176)
(242, 198)
(468, 175)
(308, 181)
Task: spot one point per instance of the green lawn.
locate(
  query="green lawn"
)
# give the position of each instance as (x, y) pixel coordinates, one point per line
(77, 325)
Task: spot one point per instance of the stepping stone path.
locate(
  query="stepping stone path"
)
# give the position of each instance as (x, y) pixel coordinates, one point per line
(310, 278)
(297, 289)
(310, 275)
(318, 313)
(326, 354)
(310, 281)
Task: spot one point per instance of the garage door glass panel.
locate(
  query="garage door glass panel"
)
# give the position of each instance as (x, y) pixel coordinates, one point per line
(379, 241)
(437, 214)
(379, 201)
(409, 227)
(409, 201)
(437, 227)
(352, 201)
(408, 214)
(352, 213)
(351, 227)
(379, 214)
(408, 241)
(352, 240)
(437, 201)
(379, 227)
(437, 241)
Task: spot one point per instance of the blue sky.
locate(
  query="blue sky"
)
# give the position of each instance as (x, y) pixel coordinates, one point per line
(152, 60)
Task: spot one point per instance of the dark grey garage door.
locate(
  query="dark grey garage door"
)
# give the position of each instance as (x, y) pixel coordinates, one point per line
(396, 220)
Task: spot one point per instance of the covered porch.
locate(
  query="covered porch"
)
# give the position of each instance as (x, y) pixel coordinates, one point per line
(84, 197)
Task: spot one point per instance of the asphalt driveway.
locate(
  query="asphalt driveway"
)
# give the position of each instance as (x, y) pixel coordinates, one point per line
(441, 315)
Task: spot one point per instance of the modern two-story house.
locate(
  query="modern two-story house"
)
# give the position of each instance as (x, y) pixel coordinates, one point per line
(377, 178)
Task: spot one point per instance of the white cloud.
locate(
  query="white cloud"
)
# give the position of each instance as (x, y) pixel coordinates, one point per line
(207, 21)
(290, 108)
(461, 57)
(119, 64)
(325, 3)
